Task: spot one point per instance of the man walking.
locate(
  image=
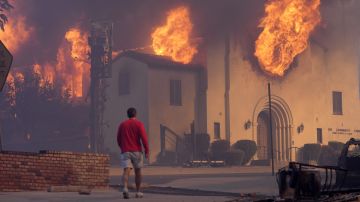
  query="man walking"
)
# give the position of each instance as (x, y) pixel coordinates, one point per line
(131, 134)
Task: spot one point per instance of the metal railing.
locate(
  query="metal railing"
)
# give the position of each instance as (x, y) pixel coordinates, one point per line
(168, 136)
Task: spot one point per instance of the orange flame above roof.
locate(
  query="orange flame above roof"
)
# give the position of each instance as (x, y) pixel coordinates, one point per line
(286, 30)
(173, 38)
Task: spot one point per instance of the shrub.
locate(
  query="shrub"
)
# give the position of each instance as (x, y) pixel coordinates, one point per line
(248, 147)
(311, 152)
(202, 144)
(219, 148)
(327, 156)
(234, 157)
(336, 146)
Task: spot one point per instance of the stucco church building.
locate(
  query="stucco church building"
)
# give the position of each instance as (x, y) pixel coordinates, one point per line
(316, 101)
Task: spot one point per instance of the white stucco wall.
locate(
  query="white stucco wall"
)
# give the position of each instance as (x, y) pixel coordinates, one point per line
(216, 87)
(150, 95)
(177, 118)
(116, 105)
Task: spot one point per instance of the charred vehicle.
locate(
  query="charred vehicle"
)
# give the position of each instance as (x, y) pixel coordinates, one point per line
(299, 180)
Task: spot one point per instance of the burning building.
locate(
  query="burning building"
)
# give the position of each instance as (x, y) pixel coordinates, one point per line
(312, 102)
(307, 50)
(313, 69)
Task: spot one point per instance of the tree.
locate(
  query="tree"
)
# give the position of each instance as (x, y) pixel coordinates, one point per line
(39, 117)
(4, 6)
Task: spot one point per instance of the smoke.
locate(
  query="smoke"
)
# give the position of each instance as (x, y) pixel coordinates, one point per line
(135, 20)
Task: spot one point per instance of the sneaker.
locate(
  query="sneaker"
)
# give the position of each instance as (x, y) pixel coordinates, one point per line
(139, 195)
(126, 195)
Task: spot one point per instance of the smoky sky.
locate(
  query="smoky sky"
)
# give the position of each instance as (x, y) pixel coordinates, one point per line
(134, 20)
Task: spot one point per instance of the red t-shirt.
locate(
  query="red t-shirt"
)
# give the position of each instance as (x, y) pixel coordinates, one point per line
(130, 133)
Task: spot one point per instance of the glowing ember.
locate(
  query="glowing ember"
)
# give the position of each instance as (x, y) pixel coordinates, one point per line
(173, 39)
(286, 29)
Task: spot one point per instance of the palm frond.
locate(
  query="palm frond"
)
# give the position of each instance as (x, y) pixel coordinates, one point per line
(4, 6)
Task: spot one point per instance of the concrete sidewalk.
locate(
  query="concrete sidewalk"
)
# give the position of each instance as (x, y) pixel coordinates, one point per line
(103, 196)
(242, 180)
(173, 184)
(163, 170)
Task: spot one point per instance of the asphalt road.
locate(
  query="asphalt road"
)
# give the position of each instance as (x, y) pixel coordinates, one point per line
(261, 183)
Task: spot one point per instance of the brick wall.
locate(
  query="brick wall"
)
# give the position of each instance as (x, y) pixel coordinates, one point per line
(37, 171)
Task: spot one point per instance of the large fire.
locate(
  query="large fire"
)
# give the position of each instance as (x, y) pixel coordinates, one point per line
(173, 38)
(16, 33)
(286, 30)
(79, 68)
(70, 73)
(45, 74)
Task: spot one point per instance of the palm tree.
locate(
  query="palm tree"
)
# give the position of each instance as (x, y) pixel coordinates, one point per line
(4, 6)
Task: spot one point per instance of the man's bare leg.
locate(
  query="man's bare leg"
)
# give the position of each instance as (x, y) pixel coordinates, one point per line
(125, 180)
(138, 178)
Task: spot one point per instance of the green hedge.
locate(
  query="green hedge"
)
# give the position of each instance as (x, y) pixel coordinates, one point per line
(234, 157)
(311, 152)
(328, 156)
(203, 142)
(218, 149)
(336, 146)
(202, 145)
(248, 147)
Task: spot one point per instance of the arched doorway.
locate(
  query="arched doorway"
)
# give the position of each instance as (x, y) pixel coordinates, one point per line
(282, 129)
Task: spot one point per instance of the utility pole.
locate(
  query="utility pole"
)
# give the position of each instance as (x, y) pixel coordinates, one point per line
(1, 138)
(100, 42)
(271, 135)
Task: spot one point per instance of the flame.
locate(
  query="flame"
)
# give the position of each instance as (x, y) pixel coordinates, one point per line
(79, 54)
(45, 74)
(70, 73)
(16, 33)
(20, 77)
(49, 74)
(173, 38)
(286, 29)
(11, 93)
(12, 81)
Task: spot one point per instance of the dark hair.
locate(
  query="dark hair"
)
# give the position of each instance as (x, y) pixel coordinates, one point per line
(131, 112)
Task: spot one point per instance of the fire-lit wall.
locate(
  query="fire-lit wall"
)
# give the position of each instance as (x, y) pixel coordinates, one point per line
(116, 105)
(330, 63)
(216, 86)
(177, 118)
(150, 95)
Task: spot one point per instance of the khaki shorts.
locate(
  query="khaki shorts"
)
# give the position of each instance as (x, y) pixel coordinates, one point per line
(135, 159)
